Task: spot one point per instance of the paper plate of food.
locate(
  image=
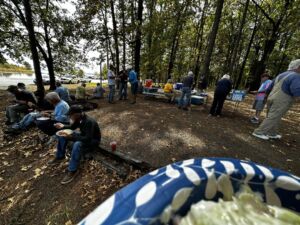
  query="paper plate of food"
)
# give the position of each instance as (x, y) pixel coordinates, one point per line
(42, 118)
(205, 191)
(64, 132)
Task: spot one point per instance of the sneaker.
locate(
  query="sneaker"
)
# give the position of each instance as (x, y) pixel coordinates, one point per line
(51, 140)
(12, 131)
(55, 161)
(254, 120)
(276, 136)
(7, 122)
(261, 136)
(69, 177)
(133, 102)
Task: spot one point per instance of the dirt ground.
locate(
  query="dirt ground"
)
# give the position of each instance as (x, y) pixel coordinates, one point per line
(153, 131)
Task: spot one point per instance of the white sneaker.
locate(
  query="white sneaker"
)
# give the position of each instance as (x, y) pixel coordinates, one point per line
(261, 136)
(276, 136)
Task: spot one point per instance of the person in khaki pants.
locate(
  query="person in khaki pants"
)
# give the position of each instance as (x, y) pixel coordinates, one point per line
(285, 90)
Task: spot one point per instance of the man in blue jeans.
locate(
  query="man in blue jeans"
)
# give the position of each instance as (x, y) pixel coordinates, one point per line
(134, 85)
(111, 84)
(186, 91)
(88, 137)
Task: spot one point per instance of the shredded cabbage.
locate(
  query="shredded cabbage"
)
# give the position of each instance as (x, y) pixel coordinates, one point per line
(244, 209)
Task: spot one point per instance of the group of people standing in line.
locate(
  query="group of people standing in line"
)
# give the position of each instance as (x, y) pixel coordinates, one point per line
(278, 94)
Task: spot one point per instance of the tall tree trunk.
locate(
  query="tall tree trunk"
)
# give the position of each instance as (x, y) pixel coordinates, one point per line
(106, 33)
(211, 40)
(123, 34)
(269, 43)
(176, 36)
(138, 38)
(241, 72)
(115, 34)
(199, 42)
(150, 66)
(34, 52)
(49, 61)
(238, 39)
(133, 33)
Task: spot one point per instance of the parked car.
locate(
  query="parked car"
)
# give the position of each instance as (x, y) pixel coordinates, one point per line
(46, 80)
(69, 79)
(86, 79)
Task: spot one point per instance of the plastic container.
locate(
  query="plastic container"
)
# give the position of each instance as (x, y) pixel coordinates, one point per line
(113, 146)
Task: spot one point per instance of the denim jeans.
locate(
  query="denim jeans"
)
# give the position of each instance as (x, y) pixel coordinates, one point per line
(26, 121)
(185, 97)
(13, 112)
(123, 91)
(76, 153)
(111, 93)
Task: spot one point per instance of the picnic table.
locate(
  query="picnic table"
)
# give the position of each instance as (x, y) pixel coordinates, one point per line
(196, 99)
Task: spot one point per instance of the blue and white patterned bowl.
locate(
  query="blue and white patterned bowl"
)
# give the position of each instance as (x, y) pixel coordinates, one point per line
(174, 188)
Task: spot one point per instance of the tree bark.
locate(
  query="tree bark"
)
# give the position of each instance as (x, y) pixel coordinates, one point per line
(211, 40)
(269, 44)
(34, 52)
(138, 38)
(238, 38)
(115, 34)
(123, 34)
(238, 82)
(49, 60)
(199, 42)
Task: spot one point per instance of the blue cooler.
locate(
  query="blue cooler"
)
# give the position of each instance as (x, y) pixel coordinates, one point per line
(197, 100)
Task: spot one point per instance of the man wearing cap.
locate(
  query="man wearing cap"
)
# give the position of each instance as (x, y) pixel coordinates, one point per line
(285, 91)
(186, 91)
(23, 101)
(223, 88)
(88, 137)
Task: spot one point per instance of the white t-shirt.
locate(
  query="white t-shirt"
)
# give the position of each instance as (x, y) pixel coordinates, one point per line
(109, 75)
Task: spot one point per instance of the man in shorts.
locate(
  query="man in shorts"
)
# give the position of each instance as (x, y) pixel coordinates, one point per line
(260, 98)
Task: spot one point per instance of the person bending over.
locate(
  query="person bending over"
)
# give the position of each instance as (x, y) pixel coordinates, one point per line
(88, 137)
(60, 114)
(223, 88)
(24, 100)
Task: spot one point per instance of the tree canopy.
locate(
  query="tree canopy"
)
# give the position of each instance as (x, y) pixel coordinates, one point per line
(161, 39)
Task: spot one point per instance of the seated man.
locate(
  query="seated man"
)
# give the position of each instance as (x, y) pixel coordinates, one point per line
(98, 92)
(168, 90)
(63, 92)
(24, 100)
(81, 93)
(60, 115)
(88, 137)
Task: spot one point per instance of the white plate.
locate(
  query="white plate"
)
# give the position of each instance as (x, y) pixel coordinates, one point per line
(43, 118)
(68, 131)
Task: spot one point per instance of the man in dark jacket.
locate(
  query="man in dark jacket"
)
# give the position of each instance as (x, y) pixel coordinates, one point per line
(222, 90)
(123, 83)
(23, 101)
(88, 138)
